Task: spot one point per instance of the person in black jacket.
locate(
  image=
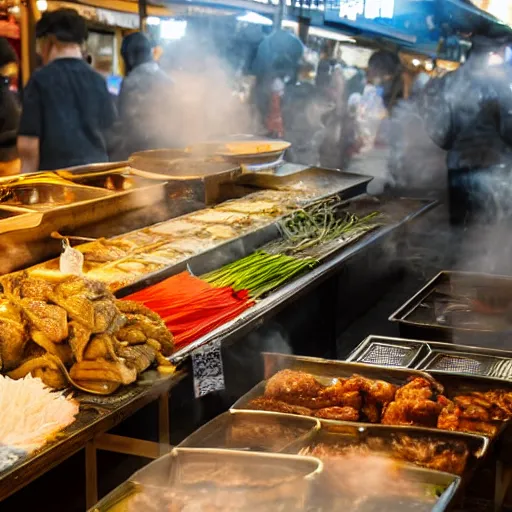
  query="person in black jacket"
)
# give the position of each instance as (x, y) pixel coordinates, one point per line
(145, 111)
(9, 110)
(67, 110)
(469, 114)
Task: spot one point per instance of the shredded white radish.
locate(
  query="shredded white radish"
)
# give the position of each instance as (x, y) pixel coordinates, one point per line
(31, 413)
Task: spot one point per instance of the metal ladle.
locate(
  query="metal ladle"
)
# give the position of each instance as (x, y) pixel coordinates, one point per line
(58, 236)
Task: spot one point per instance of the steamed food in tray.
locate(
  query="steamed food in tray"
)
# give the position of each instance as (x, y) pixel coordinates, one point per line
(72, 331)
(425, 451)
(419, 402)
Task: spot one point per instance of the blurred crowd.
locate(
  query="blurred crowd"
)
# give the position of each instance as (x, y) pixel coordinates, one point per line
(388, 118)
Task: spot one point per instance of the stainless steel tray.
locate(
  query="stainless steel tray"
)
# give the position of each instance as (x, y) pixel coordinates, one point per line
(383, 351)
(347, 434)
(181, 464)
(292, 177)
(435, 356)
(417, 319)
(327, 368)
(253, 431)
(119, 499)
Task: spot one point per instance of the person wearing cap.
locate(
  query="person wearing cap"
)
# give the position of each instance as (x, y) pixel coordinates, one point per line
(144, 99)
(67, 108)
(468, 113)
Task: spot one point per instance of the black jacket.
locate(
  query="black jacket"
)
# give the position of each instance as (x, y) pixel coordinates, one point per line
(469, 113)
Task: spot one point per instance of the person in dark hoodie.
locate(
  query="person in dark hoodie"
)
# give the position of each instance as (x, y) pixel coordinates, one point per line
(144, 98)
(468, 113)
(67, 109)
(9, 110)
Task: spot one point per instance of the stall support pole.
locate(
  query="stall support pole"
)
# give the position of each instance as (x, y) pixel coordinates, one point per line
(91, 475)
(126, 446)
(143, 14)
(28, 14)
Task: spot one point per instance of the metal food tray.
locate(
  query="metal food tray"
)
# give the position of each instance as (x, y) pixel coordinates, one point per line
(334, 432)
(119, 499)
(218, 433)
(436, 356)
(325, 370)
(395, 352)
(469, 285)
(234, 249)
(300, 178)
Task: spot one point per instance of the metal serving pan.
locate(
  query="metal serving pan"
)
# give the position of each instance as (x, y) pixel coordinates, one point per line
(253, 431)
(418, 319)
(435, 356)
(325, 370)
(331, 493)
(302, 178)
(118, 500)
(380, 438)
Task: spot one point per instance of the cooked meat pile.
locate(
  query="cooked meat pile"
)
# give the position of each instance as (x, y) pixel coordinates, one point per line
(450, 457)
(352, 399)
(48, 327)
(420, 402)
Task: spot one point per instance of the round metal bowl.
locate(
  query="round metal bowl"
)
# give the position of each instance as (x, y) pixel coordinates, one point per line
(177, 164)
(244, 152)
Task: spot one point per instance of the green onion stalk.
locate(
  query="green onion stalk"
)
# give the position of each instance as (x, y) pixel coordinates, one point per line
(259, 273)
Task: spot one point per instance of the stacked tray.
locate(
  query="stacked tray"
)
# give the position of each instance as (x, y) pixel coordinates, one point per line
(434, 357)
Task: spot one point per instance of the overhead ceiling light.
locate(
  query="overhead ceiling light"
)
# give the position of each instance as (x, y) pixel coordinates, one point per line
(416, 62)
(253, 17)
(153, 21)
(42, 5)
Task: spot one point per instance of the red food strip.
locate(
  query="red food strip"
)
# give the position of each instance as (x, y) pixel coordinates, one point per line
(190, 307)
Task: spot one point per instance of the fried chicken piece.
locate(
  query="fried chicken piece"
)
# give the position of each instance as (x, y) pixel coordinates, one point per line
(338, 395)
(337, 413)
(102, 251)
(451, 418)
(371, 410)
(13, 335)
(46, 367)
(417, 389)
(51, 320)
(37, 289)
(292, 386)
(100, 370)
(101, 346)
(500, 403)
(107, 318)
(438, 455)
(422, 413)
(139, 357)
(146, 322)
(60, 350)
(270, 404)
(79, 336)
(131, 333)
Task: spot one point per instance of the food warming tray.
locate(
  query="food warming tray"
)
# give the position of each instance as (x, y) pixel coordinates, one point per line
(326, 370)
(253, 431)
(290, 475)
(466, 307)
(160, 475)
(347, 434)
(299, 178)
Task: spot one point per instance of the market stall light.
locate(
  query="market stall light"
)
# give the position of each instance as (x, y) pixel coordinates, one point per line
(253, 17)
(42, 5)
(320, 32)
(15, 9)
(173, 29)
(153, 21)
(416, 62)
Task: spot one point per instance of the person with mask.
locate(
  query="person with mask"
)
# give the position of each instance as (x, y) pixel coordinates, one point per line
(145, 110)
(67, 109)
(385, 74)
(9, 110)
(468, 113)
